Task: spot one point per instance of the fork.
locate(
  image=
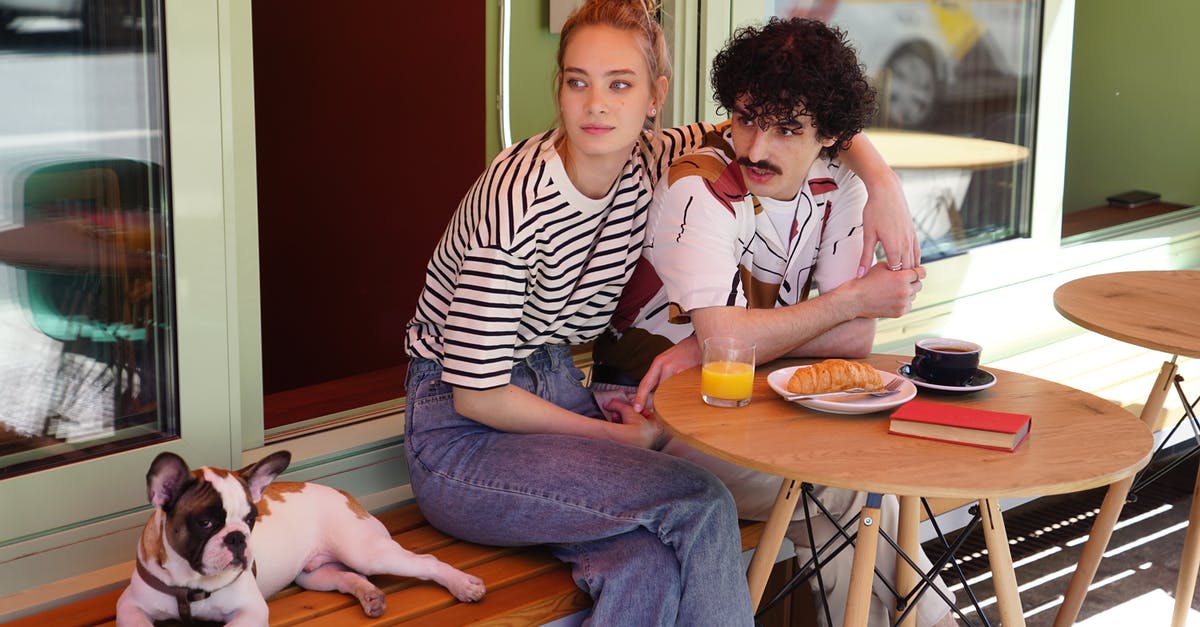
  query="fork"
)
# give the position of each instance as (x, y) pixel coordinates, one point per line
(891, 388)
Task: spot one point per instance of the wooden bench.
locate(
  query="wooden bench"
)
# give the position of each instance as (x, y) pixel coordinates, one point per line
(525, 586)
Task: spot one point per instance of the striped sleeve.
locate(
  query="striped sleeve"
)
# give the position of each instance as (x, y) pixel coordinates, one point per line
(470, 308)
(527, 261)
(480, 333)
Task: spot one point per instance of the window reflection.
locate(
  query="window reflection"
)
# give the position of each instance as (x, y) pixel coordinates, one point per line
(949, 68)
(86, 354)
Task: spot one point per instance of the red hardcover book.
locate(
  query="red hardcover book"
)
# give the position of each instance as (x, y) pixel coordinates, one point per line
(961, 425)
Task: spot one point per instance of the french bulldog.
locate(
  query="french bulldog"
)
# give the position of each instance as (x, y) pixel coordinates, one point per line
(220, 543)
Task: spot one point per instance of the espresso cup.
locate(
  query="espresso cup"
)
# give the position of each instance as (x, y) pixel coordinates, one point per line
(943, 361)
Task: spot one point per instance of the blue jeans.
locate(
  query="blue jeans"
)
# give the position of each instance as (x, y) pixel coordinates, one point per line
(652, 538)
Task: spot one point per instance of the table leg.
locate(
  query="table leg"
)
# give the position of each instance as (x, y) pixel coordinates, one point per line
(909, 540)
(1185, 587)
(772, 538)
(862, 575)
(1154, 403)
(1004, 578)
(1089, 559)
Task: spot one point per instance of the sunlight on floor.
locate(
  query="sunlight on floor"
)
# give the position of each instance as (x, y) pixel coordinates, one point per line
(1152, 608)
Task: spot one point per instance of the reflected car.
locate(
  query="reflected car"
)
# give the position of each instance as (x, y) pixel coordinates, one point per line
(917, 51)
(10, 10)
(102, 21)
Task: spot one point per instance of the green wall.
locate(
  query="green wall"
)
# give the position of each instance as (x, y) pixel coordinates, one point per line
(531, 75)
(1135, 101)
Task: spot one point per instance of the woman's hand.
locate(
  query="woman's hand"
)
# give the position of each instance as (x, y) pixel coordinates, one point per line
(887, 221)
(640, 429)
(886, 218)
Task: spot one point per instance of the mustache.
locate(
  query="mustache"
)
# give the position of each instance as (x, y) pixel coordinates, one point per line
(760, 165)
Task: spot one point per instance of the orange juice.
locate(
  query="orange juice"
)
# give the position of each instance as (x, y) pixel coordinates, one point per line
(730, 380)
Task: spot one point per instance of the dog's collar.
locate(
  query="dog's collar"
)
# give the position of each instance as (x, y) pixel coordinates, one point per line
(184, 596)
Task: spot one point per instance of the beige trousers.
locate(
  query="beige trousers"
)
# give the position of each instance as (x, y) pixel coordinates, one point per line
(755, 494)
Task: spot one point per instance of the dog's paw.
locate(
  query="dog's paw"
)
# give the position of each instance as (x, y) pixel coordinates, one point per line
(468, 588)
(373, 601)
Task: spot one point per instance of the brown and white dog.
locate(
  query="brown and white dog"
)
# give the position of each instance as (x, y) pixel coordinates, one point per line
(198, 559)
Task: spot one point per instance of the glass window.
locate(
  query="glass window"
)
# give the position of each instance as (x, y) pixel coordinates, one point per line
(86, 302)
(956, 81)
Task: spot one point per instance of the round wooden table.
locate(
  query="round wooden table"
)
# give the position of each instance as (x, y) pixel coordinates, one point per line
(124, 243)
(1159, 310)
(1077, 442)
(911, 150)
(1156, 309)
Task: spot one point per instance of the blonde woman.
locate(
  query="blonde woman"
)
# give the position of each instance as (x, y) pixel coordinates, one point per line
(505, 446)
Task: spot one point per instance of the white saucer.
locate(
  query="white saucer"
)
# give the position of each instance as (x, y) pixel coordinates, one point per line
(981, 380)
(849, 405)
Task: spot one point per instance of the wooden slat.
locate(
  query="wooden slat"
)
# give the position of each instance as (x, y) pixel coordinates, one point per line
(751, 532)
(424, 598)
(400, 519)
(90, 611)
(308, 604)
(526, 586)
(547, 597)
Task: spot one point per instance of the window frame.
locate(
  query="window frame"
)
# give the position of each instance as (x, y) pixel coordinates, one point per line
(991, 266)
(86, 514)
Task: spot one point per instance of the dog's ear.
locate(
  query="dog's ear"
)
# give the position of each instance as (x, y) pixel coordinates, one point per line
(261, 473)
(165, 480)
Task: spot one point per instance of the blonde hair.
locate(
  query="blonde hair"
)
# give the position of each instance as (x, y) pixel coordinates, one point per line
(638, 17)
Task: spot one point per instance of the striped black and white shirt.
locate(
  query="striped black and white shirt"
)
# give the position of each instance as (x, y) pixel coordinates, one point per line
(528, 260)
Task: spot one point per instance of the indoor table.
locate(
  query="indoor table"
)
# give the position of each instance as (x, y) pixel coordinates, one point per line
(912, 150)
(108, 243)
(1077, 442)
(1159, 310)
(935, 171)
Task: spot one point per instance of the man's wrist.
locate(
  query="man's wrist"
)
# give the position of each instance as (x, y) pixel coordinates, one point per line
(845, 301)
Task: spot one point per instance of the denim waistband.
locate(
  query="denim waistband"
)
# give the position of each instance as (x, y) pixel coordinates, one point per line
(545, 357)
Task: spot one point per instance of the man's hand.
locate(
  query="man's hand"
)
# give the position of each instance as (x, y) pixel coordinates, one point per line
(678, 358)
(887, 221)
(885, 293)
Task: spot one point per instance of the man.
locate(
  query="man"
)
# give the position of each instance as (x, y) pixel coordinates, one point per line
(742, 230)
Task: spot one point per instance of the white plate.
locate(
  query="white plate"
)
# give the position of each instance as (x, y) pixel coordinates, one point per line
(981, 380)
(848, 405)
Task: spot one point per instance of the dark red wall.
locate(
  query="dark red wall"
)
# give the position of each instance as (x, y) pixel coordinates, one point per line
(370, 118)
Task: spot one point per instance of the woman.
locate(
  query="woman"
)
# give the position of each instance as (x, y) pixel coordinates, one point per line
(504, 444)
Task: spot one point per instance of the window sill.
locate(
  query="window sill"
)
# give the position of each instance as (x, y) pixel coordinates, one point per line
(1105, 221)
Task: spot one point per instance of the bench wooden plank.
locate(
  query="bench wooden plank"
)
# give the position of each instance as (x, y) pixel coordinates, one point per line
(751, 532)
(423, 598)
(537, 601)
(307, 604)
(526, 586)
(401, 519)
(89, 611)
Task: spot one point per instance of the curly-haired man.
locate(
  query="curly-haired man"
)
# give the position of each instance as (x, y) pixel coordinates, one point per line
(739, 233)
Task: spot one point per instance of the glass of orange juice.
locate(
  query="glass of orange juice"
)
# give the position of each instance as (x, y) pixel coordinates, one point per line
(727, 377)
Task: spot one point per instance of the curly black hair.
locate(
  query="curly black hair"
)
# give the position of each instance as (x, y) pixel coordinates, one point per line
(796, 63)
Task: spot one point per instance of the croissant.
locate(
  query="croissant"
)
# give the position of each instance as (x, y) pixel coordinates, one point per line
(834, 375)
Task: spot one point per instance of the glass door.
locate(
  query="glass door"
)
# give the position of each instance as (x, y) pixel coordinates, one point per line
(956, 84)
(118, 317)
(87, 344)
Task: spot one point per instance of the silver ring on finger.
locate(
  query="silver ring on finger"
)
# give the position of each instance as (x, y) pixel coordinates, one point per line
(899, 266)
